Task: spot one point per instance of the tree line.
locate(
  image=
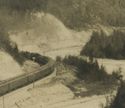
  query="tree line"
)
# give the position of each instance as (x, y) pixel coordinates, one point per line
(103, 46)
(90, 70)
(75, 14)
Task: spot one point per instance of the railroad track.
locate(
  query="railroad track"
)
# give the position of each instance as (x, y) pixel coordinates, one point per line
(25, 79)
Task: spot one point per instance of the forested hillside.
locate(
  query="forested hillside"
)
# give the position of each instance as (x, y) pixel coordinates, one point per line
(103, 46)
(75, 14)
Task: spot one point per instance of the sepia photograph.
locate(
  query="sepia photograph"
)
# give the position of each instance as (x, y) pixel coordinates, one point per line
(62, 53)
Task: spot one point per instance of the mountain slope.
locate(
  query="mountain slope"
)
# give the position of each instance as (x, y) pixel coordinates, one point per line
(8, 67)
(47, 33)
(75, 14)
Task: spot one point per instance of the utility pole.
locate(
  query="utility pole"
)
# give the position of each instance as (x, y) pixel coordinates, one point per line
(3, 102)
(33, 83)
(34, 74)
